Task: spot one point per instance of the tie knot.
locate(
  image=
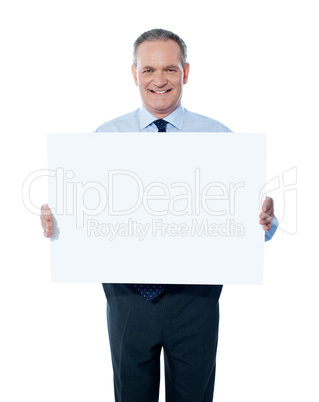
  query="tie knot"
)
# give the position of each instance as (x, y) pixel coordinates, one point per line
(161, 125)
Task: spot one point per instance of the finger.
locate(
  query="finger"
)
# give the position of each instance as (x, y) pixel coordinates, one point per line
(269, 212)
(44, 217)
(266, 220)
(47, 234)
(47, 214)
(265, 215)
(46, 222)
(45, 209)
(267, 227)
(267, 207)
(268, 204)
(48, 226)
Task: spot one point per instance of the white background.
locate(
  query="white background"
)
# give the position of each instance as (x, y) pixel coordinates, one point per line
(65, 67)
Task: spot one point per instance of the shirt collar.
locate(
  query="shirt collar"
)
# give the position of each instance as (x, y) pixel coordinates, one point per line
(176, 118)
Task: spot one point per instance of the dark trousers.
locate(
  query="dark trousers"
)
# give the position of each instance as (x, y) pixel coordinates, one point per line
(183, 321)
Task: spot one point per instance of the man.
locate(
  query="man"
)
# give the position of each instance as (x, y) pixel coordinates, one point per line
(181, 319)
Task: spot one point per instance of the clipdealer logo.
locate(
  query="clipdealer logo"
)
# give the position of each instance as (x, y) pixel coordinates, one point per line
(125, 195)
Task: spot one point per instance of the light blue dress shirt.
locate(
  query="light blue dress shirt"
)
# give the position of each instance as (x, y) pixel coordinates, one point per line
(179, 120)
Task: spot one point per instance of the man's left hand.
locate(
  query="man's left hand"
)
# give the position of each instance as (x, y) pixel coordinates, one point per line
(267, 213)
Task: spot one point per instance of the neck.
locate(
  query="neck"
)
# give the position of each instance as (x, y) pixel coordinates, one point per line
(158, 114)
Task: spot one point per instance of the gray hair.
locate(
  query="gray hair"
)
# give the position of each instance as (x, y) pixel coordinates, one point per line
(160, 34)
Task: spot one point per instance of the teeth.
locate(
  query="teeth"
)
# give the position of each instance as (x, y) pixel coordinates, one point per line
(160, 92)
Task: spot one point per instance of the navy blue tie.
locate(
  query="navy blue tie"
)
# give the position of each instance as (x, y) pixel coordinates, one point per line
(150, 292)
(161, 125)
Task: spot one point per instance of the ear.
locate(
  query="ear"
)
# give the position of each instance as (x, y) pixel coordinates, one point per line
(185, 73)
(134, 72)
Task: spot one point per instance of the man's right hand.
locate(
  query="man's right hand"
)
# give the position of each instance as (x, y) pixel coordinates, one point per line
(46, 220)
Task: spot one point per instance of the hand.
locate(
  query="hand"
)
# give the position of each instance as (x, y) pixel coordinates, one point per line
(46, 220)
(267, 214)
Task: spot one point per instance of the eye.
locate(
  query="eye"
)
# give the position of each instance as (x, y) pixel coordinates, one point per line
(147, 71)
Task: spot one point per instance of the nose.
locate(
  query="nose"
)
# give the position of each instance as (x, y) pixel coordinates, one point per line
(160, 80)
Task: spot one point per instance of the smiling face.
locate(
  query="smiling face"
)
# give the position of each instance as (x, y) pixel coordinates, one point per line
(160, 76)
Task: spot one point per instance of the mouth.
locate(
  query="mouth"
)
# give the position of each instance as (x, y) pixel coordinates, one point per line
(160, 92)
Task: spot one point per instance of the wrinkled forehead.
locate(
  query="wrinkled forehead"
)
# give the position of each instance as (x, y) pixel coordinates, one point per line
(158, 53)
